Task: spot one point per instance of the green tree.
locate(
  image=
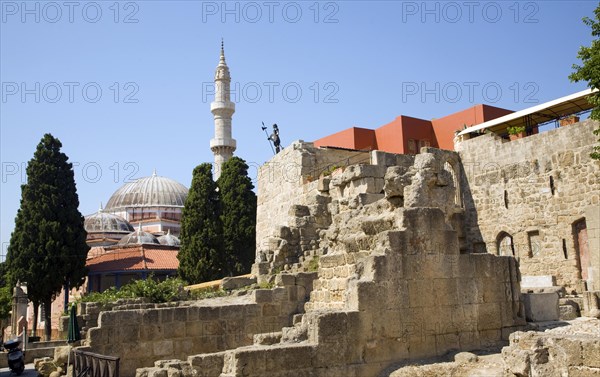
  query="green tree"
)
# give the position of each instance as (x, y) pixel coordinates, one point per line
(200, 256)
(5, 299)
(238, 216)
(47, 248)
(5, 307)
(3, 272)
(589, 71)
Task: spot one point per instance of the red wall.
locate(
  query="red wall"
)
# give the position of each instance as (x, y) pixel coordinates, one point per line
(389, 137)
(394, 136)
(364, 139)
(351, 138)
(445, 127)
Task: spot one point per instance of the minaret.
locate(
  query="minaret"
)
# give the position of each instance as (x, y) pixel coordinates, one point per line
(222, 108)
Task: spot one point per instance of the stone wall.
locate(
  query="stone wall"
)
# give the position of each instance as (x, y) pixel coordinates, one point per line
(535, 190)
(142, 333)
(290, 210)
(392, 282)
(88, 312)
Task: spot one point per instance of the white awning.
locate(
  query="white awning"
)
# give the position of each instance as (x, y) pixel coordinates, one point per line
(555, 109)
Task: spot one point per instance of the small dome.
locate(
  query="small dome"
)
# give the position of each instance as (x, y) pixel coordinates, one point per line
(102, 222)
(169, 239)
(153, 191)
(138, 237)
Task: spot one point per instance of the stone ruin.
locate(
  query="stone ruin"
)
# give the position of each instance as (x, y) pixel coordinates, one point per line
(376, 262)
(391, 280)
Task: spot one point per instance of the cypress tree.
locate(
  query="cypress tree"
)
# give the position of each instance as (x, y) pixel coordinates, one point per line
(238, 216)
(47, 248)
(200, 256)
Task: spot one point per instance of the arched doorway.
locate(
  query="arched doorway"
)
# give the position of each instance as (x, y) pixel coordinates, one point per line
(505, 245)
(580, 238)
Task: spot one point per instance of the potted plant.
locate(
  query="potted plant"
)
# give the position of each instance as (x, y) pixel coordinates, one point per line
(567, 121)
(516, 132)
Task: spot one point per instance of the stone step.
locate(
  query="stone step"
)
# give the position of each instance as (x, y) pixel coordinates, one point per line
(567, 312)
(571, 299)
(50, 344)
(267, 339)
(297, 319)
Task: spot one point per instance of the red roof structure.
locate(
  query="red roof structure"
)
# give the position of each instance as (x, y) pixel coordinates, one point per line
(407, 134)
(144, 257)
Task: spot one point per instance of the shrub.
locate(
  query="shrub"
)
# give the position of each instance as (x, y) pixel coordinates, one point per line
(515, 130)
(154, 291)
(200, 294)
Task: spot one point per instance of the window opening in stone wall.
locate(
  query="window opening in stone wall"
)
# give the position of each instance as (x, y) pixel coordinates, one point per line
(450, 169)
(505, 245)
(582, 252)
(505, 199)
(552, 185)
(564, 247)
(534, 243)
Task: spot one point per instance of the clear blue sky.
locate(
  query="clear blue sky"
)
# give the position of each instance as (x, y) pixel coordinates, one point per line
(356, 63)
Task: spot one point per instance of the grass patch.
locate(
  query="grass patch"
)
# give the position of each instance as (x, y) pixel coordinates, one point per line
(265, 285)
(201, 294)
(313, 264)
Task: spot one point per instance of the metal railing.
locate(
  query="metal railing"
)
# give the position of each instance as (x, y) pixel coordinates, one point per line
(88, 364)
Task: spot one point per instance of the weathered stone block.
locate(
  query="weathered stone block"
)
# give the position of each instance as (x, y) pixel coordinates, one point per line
(299, 211)
(285, 279)
(421, 294)
(271, 310)
(210, 364)
(333, 260)
(567, 312)
(541, 306)
(173, 330)
(528, 281)
(166, 315)
(162, 348)
(489, 316)
(262, 295)
(236, 282)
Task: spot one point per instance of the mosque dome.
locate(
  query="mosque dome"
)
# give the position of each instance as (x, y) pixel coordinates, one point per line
(153, 191)
(169, 240)
(138, 237)
(103, 222)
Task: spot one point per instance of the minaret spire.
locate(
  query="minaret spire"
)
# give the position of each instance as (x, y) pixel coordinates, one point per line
(222, 145)
(222, 60)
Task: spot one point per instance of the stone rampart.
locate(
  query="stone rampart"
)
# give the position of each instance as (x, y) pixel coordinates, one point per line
(141, 334)
(531, 198)
(290, 210)
(393, 281)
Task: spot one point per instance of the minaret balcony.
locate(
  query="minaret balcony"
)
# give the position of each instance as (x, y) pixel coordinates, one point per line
(223, 142)
(221, 106)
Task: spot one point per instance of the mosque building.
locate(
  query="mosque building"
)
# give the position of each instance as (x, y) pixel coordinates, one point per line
(136, 234)
(154, 203)
(119, 253)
